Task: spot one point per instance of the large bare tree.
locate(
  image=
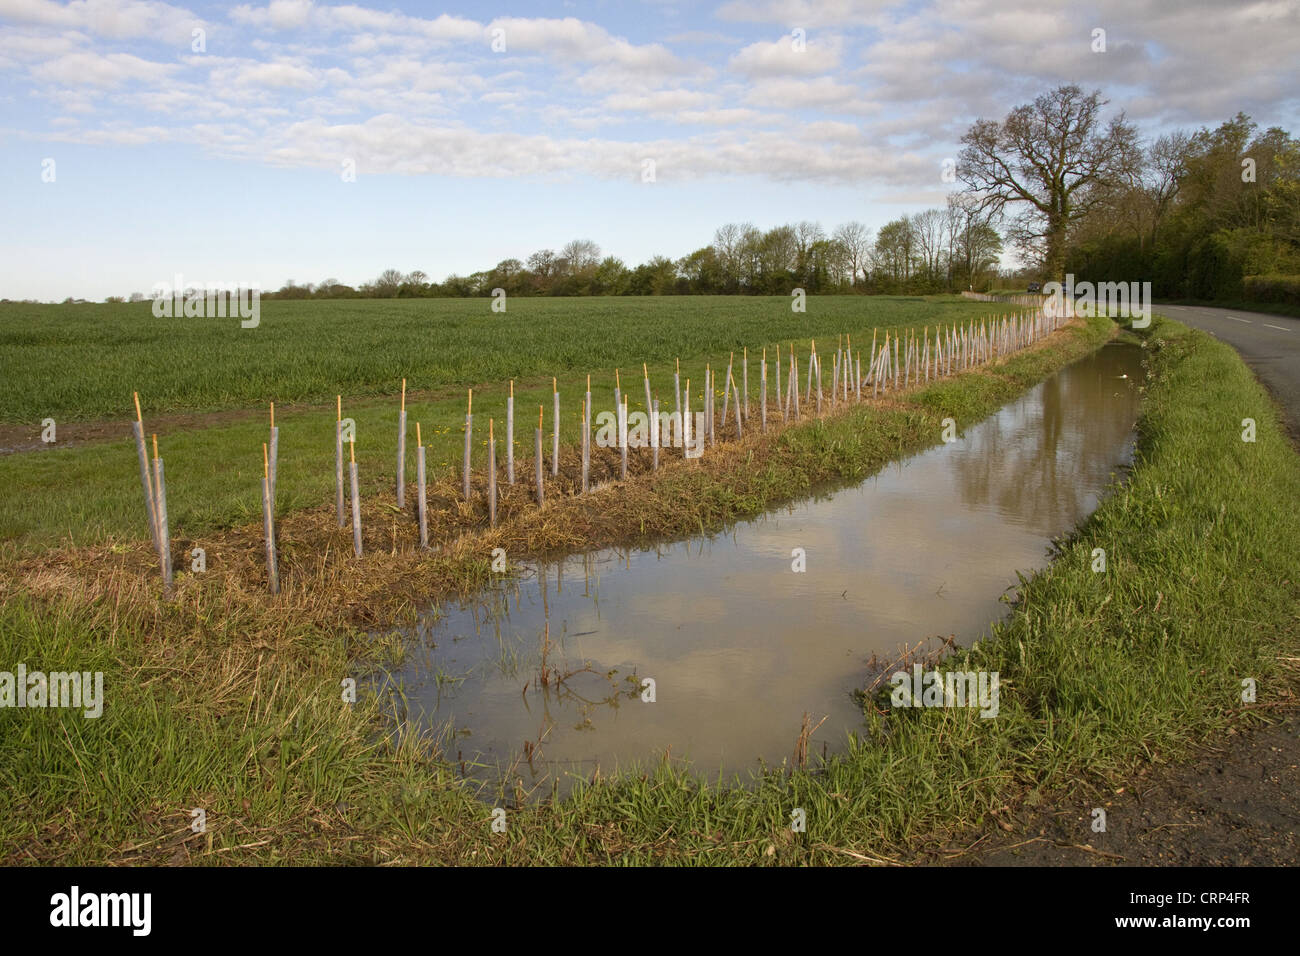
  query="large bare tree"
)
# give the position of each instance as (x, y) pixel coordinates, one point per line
(1053, 160)
(581, 254)
(855, 239)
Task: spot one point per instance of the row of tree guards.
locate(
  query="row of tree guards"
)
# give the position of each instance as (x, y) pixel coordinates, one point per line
(902, 360)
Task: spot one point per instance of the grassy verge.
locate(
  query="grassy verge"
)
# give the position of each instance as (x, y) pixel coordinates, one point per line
(230, 702)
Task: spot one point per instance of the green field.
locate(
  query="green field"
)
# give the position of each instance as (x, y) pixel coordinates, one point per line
(80, 363)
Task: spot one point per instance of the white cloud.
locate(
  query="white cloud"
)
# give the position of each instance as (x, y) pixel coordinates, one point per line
(108, 18)
(386, 85)
(661, 101)
(94, 69)
(822, 93)
(724, 117)
(788, 56)
(806, 13)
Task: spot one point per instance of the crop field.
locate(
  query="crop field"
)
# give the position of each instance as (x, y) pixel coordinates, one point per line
(80, 364)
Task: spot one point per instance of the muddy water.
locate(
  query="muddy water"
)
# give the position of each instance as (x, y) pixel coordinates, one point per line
(738, 644)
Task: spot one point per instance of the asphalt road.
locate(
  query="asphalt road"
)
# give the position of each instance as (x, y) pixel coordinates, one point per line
(1270, 344)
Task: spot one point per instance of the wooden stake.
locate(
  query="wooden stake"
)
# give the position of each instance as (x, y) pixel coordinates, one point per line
(555, 436)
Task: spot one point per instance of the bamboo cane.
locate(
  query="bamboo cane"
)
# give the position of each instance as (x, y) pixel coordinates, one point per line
(146, 480)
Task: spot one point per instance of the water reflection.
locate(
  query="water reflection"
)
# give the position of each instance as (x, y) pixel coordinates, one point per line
(541, 680)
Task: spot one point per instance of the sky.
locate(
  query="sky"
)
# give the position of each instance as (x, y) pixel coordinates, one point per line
(258, 143)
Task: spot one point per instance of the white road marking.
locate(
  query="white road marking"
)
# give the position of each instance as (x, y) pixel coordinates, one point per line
(1235, 319)
(1278, 327)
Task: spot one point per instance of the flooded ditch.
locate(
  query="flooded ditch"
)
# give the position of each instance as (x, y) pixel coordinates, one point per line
(541, 679)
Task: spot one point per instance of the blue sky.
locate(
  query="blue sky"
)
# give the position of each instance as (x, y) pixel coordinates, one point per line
(225, 162)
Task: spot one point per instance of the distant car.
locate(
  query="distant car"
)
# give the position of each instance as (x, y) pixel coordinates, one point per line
(1035, 287)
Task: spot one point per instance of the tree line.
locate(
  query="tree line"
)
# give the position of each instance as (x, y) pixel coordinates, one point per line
(938, 250)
